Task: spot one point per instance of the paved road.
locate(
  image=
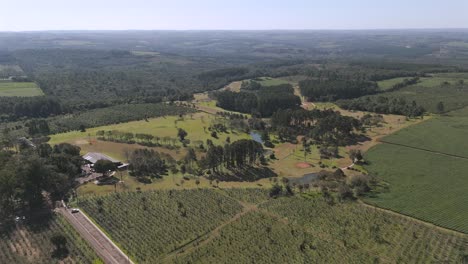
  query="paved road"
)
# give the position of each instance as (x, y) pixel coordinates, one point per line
(103, 246)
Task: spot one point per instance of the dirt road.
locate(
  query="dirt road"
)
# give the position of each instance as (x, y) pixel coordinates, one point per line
(103, 246)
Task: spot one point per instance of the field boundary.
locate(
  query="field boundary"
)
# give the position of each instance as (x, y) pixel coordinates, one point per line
(98, 240)
(411, 217)
(423, 149)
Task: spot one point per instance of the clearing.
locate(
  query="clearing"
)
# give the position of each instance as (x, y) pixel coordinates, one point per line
(22, 89)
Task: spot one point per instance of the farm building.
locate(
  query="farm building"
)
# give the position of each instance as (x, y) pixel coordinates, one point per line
(93, 157)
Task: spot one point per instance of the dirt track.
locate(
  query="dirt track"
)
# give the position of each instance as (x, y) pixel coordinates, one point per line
(103, 246)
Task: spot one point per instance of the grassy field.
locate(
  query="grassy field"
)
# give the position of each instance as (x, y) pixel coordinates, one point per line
(24, 243)
(269, 81)
(445, 134)
(23, 89)
(421, 184)
(170, 182)
(162, 127)
(209, 226)
(432, 90)
(387, 84)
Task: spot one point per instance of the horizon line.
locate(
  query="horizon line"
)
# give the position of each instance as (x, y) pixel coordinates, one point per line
(292, 29)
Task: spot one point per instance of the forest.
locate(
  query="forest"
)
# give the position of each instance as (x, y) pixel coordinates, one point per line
(332, 90)
(262, 102)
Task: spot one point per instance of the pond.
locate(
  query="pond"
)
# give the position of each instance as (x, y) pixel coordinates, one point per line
(256, 137)
(306, 178)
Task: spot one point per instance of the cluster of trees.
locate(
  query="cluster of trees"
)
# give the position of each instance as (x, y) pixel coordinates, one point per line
(113, 115)
(37, 127)
(383, 105)
(331, 90)
(147, 162)
(264, 102)
(403, 84)
(139, 138)
(217, 78)
(241, 153)
(25, 176)
(325, 127)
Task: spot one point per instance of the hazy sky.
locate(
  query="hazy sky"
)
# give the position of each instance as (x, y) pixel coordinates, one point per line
(20, 15)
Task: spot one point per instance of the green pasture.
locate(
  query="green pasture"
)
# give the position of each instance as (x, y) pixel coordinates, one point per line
(23, 89)
(387, 84)
(442, 87)
(269, 81)
(445, 134)
(196, 126)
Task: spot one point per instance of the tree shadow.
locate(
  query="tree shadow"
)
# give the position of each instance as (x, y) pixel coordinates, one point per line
(245, 174)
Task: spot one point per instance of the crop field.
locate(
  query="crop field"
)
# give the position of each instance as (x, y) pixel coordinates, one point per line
(432, 90)
(208, 226)
(446, 134)
(425, 185)
(32, 244)
(305, 230)
(22, 89)
(149, 225)
(195, 124)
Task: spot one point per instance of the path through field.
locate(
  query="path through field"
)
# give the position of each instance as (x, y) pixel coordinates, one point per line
(104, 247)
(423, 149)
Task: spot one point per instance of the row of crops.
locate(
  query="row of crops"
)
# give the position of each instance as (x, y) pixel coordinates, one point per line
(357, 228)
(149, 225)
(152, 226)
(23, 243)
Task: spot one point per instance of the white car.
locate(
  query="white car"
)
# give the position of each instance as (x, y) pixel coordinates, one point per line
(75, 210)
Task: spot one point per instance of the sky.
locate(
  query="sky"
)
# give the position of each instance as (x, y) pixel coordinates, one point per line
(28, 15)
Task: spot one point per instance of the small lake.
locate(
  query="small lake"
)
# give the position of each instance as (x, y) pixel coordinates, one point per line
(306, 178)
(256, 137)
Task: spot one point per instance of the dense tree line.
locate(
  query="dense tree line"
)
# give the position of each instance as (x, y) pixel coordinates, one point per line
(12, 109)
(331, 90)
(25, 176)
(383, 105)
(325, 127)
(241, 153)
(403, 84)
(263, 102)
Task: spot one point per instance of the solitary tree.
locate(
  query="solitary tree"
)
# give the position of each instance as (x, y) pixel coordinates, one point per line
(440, 108)
(103, 166)
(60, 243)
(355, 155)
(181, 134)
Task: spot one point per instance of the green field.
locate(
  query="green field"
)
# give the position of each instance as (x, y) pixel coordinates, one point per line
(23, 89)
(446, 134)
(208, 226)
(268, 81)
(25, 243)
(387, 84)
(431, 90)
(161, 127)
(421, 184)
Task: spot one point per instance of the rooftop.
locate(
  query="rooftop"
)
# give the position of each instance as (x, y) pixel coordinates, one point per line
(93, 157)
